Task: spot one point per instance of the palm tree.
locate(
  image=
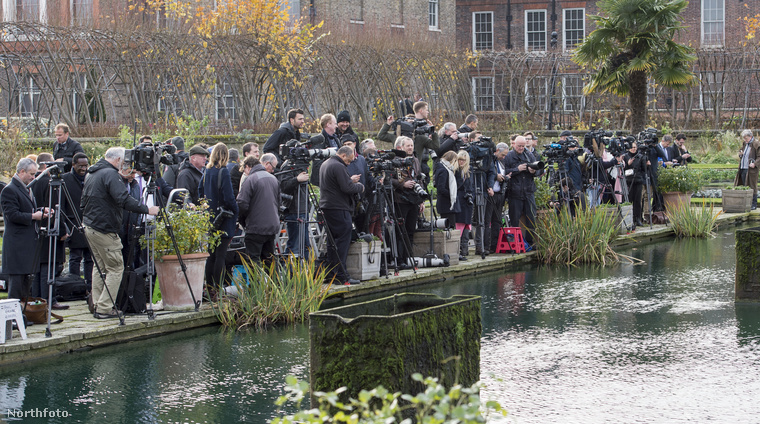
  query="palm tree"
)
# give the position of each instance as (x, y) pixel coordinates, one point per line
(632, 42)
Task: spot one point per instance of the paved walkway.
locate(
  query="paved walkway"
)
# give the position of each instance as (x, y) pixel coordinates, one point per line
(81, 331)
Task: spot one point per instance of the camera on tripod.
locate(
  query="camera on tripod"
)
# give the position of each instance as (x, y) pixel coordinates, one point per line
(55, 169)
(560, 150)
(479, 151)
(599, 135)
(385, 160)
(301, 151)
(146, 157)
(620, 145)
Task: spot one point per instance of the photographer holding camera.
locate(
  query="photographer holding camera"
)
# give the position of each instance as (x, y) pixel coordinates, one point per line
(522, 193)
(328, 138)
(449, 137)
(216, 187)
(748, 168)
(408, 196)
(495, 202)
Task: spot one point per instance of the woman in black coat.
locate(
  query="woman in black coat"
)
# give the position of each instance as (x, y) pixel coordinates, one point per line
(216, 186)
(444, 171)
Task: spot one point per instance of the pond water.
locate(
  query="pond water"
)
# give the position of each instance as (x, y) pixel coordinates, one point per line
(659, 342)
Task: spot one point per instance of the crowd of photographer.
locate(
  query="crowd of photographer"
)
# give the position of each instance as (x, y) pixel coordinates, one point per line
(332, 182)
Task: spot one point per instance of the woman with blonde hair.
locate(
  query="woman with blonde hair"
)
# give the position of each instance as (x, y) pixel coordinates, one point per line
(448, 183)
(466, 203)
(216, 186)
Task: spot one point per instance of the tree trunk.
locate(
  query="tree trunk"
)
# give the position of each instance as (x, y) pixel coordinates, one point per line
(638, 101)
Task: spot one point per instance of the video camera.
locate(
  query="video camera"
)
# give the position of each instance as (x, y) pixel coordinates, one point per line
(411, 127)
(146, 156)
(479, 151)
(385, 160)
(620, 145)
(422, 127)
(54, 169)
(560, 150)
(600, 135)
(301, 151)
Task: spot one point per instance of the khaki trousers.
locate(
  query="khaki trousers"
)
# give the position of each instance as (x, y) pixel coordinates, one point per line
(106, 251)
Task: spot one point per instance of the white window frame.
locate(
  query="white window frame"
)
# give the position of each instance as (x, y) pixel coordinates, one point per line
(434, 23)
(81, 12)
(76, 97)
(710, 41)
(709, 85)
(10, 11)
(528, 33)
(32, 91)
(567, 103)
(477, 94)
(219, 100)
(565, 30)
(543, 95)
(475, 33)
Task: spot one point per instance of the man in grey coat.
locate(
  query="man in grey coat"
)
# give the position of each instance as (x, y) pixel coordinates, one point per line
(259, 209)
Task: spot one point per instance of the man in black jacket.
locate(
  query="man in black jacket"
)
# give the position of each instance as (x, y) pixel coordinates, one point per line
(191, 171)
(20, 238)
(470, 124)
(104, 196)
(344, 124)
(336, 203)
(78, 249)
(290, 130)
(64, 147)
(449, 137)
(522, 192)
(495, 203)
(327, 139)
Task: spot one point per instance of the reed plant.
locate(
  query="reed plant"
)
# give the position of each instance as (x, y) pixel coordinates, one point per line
(694, 222)
(275, 293)
(582, 239)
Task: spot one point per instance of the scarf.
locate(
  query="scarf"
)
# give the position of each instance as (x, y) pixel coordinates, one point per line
(452, 183)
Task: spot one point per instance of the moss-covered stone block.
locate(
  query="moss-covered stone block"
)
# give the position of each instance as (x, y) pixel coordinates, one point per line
(747, 285)
(385, 341)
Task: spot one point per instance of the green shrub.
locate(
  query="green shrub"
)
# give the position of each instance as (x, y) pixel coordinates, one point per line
(192, 229)
(688, 221)
(275, 293)
(679, 178)
(585, 238)
(435, 405)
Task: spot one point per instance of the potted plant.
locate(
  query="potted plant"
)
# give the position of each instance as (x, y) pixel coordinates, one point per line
(677, 184)
(195, 235)
(737, 199)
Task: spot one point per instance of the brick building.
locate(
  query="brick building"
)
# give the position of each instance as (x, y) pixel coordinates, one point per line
(433, 20)
(506, 32)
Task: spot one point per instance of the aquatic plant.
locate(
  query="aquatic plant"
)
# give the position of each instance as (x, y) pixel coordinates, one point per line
(436, 404)
(584, 238)
(689, 221)
(273, 293)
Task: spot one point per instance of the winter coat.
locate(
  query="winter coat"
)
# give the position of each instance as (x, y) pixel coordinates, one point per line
(522, 184)
(216, 196)
(189, 177)
(20, 242)
(464, 216)
(259, 202)
(285, 133)
(337, 187)
(104, 195)
(441, 183)
(75, 186)
(66, 152)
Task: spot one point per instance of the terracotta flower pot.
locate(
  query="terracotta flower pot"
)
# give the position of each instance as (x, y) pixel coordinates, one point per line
(174, 291)
(675, 198)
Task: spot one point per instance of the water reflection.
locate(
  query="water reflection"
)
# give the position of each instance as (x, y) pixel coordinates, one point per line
(658, 342)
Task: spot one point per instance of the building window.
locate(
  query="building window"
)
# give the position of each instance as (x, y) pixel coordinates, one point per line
(225, 103)
(482, 91)
(711, 93)
(81, 13)
(29, 10)
(482, 31)
(433, 14)
(535, 93)
(535, 30)
(572, 93)
(713, 22)
(29, 98)
(575, 27)
(78, 90)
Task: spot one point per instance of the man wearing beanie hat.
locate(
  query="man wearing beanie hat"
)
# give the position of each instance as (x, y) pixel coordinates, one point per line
(344, 124)
(191, 171)
(564, 135)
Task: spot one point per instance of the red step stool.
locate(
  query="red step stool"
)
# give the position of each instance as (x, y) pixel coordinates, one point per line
(516, 245)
